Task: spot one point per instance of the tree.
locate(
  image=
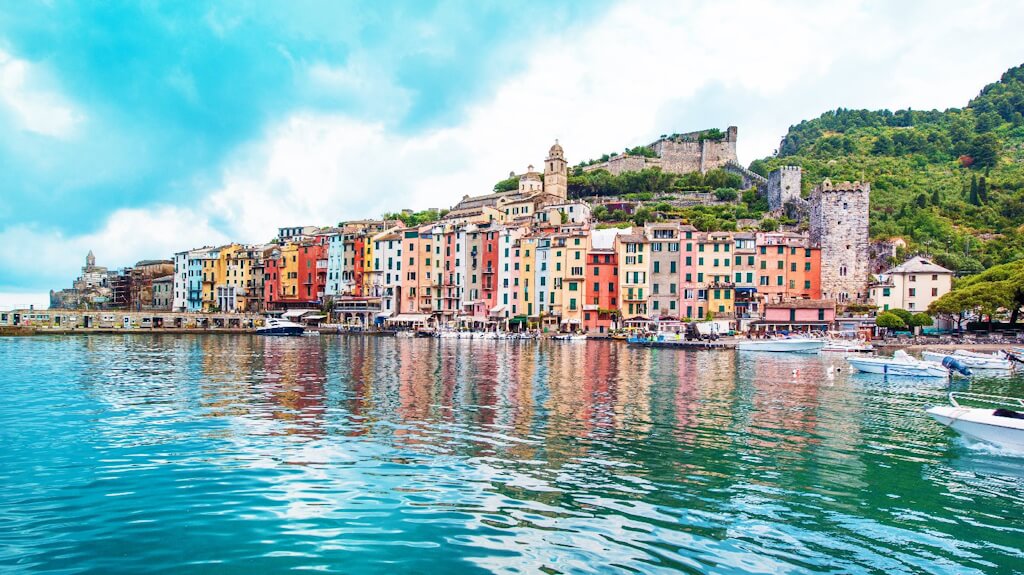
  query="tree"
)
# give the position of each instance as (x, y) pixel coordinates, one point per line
(726, 194)
(983, 190)
(507, 185)
(935, 197)
(985, 150)
(889, 320)
(769, 225)
(921, 319)
(600, 213)
(973, 197)
(904, 315)
(642, 215)
(922, 201)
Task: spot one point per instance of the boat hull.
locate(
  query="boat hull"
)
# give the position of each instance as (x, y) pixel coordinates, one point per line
(971, 361)
(285, 330)
(980, 425)
(780, 346)
(890, 368)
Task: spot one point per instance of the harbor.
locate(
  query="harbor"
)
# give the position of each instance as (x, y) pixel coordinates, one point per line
(451, 443)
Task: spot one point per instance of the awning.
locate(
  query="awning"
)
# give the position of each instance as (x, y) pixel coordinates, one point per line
(384, 314)
(745, 290)
(317, 316)
(519, 319)
(571, 320)
(497, 310)
(297, 312)
(410, 318)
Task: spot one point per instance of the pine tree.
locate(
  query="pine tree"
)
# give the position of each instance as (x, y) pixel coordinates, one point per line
(983, 190)
(935, 197)
(974, 191)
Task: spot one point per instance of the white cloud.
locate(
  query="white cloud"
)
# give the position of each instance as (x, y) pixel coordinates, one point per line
(128, 236)
(619, 80)
(36, 105)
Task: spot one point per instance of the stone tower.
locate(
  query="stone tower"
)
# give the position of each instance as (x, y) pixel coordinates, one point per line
(90, 260)
(839, 225)
(556, 172)
(783, 187)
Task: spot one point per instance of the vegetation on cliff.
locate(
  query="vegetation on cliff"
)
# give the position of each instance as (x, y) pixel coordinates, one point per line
(949, 182)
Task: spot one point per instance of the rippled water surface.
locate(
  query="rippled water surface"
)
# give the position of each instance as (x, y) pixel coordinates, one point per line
(239, 454)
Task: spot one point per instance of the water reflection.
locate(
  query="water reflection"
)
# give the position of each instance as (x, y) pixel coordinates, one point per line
(371, 454)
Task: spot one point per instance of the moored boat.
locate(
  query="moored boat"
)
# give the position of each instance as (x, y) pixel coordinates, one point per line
(570, 337)
(784, 344)
(277, 326)
(1002, 426)
(973, 360)
(839, 343)
(901, 363)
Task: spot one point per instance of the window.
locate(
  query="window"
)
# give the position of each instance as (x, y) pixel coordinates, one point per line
(935, 277)
(886, 292)
(672, 267)
(913, 278)
(657, 267)
(597, 287)
(842, 271)
(935, 292)
(912, 292)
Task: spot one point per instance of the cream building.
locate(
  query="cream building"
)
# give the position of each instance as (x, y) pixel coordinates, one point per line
(912, 285)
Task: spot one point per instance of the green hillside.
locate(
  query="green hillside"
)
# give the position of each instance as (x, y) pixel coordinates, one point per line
(949, 182)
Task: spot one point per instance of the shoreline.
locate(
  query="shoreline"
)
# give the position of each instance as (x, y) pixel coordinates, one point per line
(724, 343)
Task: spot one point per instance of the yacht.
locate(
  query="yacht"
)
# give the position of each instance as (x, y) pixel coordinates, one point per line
(1002, 426)
(277, 326)
(997, 360)
(782, 344)
(901, 363)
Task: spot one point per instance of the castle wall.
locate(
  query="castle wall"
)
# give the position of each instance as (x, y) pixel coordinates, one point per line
(839, 225)
(682, 155)
(783, 187)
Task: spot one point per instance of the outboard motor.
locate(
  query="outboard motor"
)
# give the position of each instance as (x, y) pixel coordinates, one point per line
(953, 364)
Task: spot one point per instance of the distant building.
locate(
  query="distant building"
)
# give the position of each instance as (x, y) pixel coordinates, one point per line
(678, 154)
(912, 285)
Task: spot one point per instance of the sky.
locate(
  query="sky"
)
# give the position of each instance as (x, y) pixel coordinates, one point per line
(138, 130)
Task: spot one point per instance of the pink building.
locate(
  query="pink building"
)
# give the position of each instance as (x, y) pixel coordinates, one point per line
(797, 315)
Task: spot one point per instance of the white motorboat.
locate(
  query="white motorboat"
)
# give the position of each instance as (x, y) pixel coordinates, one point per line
(782, 344)
(570, 337)
(997, 360)
(278, 326)
(848, 346)
(1003, 426)
(901, 363)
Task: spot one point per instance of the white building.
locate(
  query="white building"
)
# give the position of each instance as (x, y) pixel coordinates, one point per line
(912, 285)
(179, 299)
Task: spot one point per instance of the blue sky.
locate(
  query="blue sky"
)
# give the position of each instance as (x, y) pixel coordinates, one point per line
(137, 130)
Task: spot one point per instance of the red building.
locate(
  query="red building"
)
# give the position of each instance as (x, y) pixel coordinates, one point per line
(600, 290)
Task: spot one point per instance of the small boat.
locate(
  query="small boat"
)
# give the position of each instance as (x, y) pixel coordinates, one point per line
(570, 337)
(838, 343)
(1003, 426)
(277, 326)
(901, 363)
(997, 360)
(782, 344)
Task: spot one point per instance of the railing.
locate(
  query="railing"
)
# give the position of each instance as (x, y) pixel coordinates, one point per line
(1014, 402)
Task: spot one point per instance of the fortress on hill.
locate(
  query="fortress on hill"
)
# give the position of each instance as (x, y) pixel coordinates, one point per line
(677, 154)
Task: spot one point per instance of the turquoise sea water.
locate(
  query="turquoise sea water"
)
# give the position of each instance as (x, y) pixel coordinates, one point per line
(239, 454)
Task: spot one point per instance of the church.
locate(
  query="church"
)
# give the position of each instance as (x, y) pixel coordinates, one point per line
(536, 191)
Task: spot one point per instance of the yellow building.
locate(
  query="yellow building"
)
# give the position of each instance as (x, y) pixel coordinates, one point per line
(568, 276)
(524, 267)
(714, 272)
(634, 282)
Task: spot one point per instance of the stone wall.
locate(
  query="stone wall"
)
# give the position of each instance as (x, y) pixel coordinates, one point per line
(839, 225)
(682, 154)
(783, 187)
